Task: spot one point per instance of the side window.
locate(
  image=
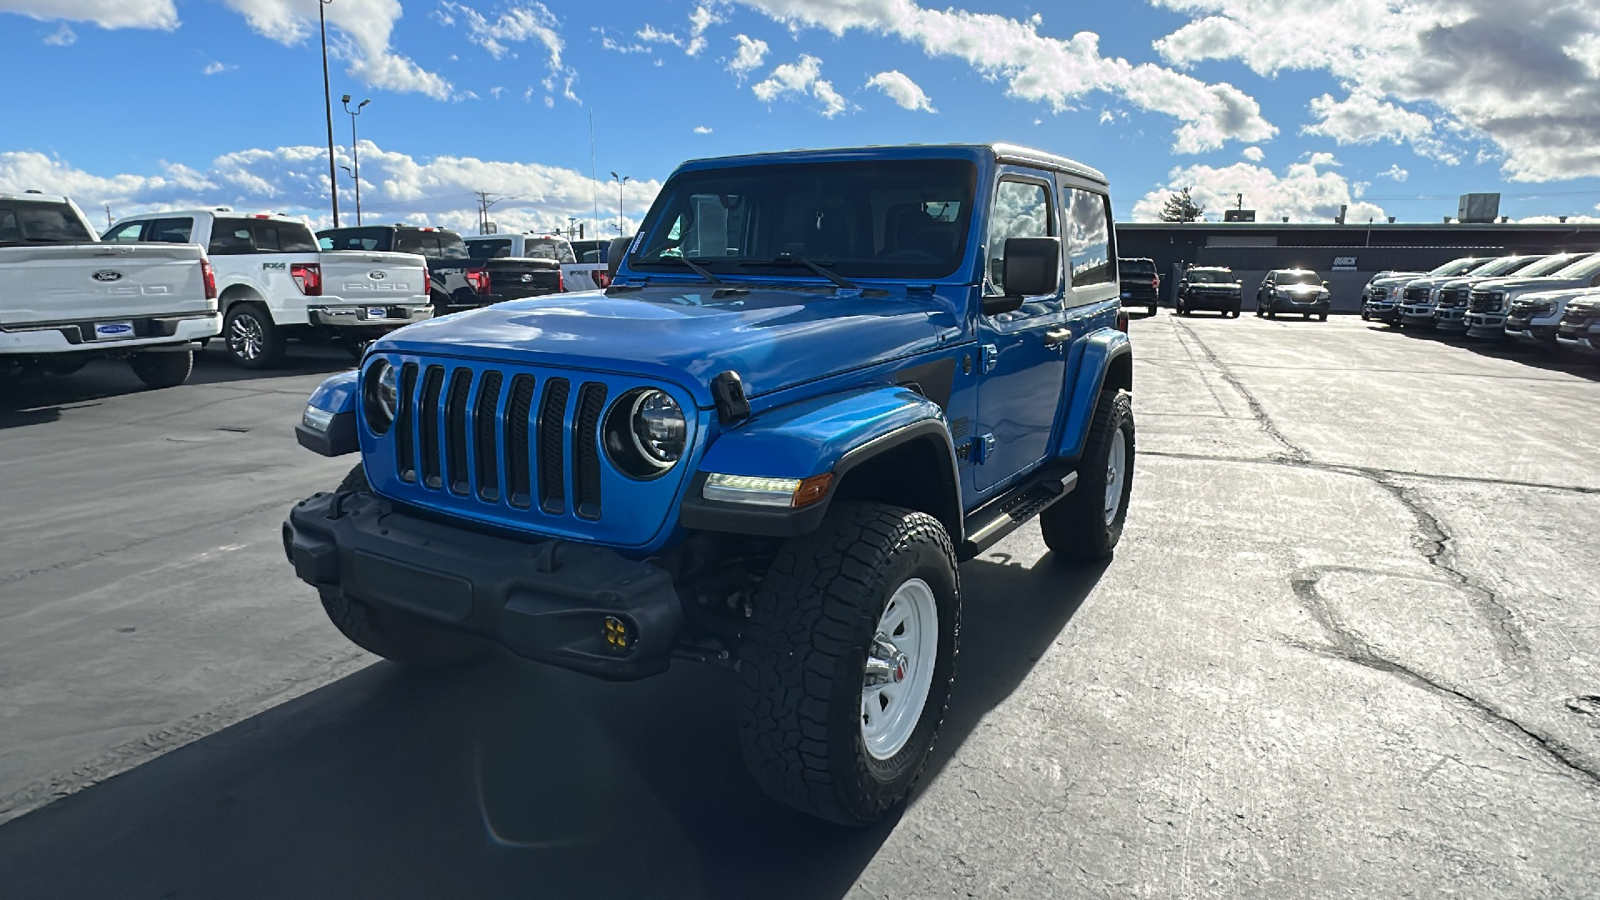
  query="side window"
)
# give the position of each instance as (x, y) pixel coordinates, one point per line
(10, 231)
(171, 231)
(266, 238)
(1021, 209)
(122, 234)
(325, 243)
(1089, 239)
(230, 238)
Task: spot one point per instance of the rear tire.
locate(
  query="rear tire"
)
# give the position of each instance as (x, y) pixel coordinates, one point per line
(1086, 524)
(395, 634)
(821, 730)
(252, 339)
(1322, 317)
(162, 370)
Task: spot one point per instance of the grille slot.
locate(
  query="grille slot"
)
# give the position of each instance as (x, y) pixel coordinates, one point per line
(586, 451)
(405, 432)
(485, 437)
(519, 416)
(428, 422)
(455, 431)
(552, 446)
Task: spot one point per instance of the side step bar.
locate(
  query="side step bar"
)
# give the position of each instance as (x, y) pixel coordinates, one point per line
(999, 517)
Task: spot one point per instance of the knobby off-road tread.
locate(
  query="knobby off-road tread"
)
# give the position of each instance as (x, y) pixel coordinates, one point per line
(1075, 527)
(823, 592)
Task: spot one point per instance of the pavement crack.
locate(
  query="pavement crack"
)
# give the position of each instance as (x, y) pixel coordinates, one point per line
(1372, 472)
(1349, 646)
(1292, 452)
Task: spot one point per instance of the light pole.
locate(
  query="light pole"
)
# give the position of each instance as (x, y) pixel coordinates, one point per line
(355, 150)
(620, 180)
(327, 108)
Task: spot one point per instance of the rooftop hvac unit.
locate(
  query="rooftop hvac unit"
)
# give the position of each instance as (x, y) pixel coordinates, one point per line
(1238, 215)
(1479, 209)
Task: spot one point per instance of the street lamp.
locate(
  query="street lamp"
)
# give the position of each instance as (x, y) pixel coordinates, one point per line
(355, 149)
(620, 180)
(327, 108)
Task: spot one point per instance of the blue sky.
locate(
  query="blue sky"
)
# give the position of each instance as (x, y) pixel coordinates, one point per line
(1391, 107)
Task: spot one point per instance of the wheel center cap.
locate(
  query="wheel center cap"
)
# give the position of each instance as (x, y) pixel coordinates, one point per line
(902, 667)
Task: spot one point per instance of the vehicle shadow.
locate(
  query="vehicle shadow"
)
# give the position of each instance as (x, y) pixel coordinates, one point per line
(505, 778)
(1554, 359)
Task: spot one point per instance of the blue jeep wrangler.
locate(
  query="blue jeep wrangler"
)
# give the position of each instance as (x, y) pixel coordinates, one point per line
(818, 382)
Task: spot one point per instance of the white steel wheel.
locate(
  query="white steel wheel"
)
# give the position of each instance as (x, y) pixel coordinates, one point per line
(1116, 475)
(899, 669)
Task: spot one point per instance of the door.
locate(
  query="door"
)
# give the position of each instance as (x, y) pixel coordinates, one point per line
(1022, 359)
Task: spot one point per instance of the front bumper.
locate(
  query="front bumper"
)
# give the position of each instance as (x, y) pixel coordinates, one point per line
(79, 336)
(547, 601)
(1582, 340)
(1449, 319)
(1416, 315)
(1486, 325)
(1286, 304)
(376, 316)
(1212, 302)
(1382, 312)
(1529, 331)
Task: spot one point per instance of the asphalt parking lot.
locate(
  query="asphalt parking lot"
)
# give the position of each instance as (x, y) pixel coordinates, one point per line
(1350, 645)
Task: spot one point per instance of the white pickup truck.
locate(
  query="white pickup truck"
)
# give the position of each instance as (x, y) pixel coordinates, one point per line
(66, 298)
(275, 284)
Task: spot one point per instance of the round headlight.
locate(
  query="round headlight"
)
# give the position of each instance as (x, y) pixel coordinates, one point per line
(381, 396)
(645, 433)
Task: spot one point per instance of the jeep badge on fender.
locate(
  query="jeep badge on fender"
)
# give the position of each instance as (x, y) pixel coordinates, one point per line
(766, 445)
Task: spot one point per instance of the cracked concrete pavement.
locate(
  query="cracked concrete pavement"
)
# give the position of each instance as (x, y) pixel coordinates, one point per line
(1350, 645)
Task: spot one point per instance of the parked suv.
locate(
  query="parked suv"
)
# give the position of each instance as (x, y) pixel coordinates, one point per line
(1380, 299)
(1486, 314)
(1293, 291)
(1141, 284)
(1210, 287)
(455, 281)
(1420, 297)
(1580, 326)
(1449, 313)
(275, 284)
(820, 380)
(66, 298)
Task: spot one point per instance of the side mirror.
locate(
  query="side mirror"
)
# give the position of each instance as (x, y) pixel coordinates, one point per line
(614, 253)
(1032, 268)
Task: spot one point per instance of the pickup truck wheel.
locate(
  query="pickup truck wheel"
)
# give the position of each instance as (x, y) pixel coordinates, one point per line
(251, 337)
(162, 370)
(1086, 524)
(847, 662)
(394, 634)
(1322, 317)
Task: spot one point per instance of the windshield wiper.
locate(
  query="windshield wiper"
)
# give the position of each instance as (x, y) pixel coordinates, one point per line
(694, 267)
(789, 259)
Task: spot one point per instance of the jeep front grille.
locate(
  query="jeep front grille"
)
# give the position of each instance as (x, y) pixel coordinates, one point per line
(445, 438)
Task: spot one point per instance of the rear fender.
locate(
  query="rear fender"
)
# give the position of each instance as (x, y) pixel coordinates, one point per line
(336, 396)
(1105, 360)
(838, 433)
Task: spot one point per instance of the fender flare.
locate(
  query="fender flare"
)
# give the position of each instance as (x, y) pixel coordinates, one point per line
(338, 395)
(834, 433)
(1101, 351)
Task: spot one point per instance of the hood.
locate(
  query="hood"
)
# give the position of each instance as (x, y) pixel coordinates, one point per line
(1392, 279)
(1556, 296)
(689, 333)
(1301, 289)
(1431, 282)
(1530, 284)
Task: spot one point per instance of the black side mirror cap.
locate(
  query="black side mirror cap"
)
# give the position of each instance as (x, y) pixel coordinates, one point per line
(996, 304)
(1032, 266)
(614, 254)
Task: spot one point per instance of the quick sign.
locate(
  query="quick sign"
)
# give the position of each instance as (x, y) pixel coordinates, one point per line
(1344, 263)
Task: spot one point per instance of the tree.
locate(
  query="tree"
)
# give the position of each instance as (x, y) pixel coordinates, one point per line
(1181, 207)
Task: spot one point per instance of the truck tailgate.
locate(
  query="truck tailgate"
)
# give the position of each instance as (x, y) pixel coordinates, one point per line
(358, 276)
(69, 282)
(510, 277)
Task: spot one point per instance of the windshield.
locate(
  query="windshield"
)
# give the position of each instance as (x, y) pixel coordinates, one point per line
(1136, 267)
(41, 223)
(1458, 267)
(1298, 278)
(1582, 267)
(546, 248)
(1504, 265)
(1211, 276)
(869, 219)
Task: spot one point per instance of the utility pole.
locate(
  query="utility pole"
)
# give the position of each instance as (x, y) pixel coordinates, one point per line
(1241, 202)
(484, 203)
(355, 148)
(620, 180)
(108, 215)
(327, 108)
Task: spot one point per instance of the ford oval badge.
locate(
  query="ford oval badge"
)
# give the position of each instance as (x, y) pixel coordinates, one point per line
(107, 275)
(377, 276)
(527, 278)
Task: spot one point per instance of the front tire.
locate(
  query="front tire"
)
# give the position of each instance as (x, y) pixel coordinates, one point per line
(252, 339)
(847, 662)
(1322, 317)
(162, 370)
(395, 634)
(1086, 524)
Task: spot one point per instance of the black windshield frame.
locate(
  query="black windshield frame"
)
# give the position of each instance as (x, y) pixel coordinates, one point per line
(893, 219)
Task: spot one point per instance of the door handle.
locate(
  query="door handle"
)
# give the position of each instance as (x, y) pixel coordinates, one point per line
(1057, 336)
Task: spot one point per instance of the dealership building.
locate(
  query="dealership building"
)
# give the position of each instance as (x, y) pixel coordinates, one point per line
(1346, 256)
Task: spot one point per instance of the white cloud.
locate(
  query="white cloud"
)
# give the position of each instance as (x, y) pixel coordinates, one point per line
(751, 52)
(366, 27)
(607, 43)
(704, 16)
(395, 187)
(1254, 154)
(702, 129)
(802, 77)
(1041, 68)
(214, 68)
(532, 22)
(1522, 74)
(1364, 119)
(902, 90)
(1303, 192)
(61, 37)
(653, 35)
(1395, 172)
(105, 13)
